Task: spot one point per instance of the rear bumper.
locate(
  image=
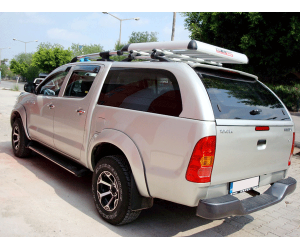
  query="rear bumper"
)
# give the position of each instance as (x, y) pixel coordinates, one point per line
(228, 205)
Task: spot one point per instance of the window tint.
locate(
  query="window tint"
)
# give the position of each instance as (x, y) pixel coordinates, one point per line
(52, 85)
(81, 80)
(235, 96)
(150, 90)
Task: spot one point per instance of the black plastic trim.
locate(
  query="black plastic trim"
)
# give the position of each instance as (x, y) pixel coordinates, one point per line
(159, 55)
(104, 56)
(74, 59)
(192, 45)
(228, 205)
(62, 161)
(125, 48)
(119, 52)
(139, 202)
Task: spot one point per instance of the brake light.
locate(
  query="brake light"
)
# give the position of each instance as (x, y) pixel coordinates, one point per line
(202, 160)
(292, 150)
(262, 128)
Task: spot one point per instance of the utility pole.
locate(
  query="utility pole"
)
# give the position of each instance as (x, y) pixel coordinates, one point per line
(173, 27)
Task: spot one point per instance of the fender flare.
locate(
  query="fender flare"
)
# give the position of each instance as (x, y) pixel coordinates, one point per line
(129, 148)
(20, 110)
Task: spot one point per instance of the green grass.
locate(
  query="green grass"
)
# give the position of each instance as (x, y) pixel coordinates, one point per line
(15, 88)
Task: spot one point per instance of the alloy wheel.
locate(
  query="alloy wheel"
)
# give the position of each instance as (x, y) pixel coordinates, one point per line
(16, 137)
(107, 191)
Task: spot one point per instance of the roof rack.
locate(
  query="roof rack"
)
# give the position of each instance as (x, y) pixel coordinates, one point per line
(184, 51)
(104, 56)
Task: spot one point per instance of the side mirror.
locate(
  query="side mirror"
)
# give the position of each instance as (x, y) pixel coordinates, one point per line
(29, 87)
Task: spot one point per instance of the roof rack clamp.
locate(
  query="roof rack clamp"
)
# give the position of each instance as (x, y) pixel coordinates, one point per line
(159, 55)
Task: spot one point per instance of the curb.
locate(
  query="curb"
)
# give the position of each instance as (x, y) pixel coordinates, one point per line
(295, 113)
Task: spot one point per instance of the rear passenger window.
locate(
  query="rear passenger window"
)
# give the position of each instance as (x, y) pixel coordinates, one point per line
(149, 90)
(81, 80)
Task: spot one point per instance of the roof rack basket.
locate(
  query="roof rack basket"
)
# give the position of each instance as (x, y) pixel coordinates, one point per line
(191, 51)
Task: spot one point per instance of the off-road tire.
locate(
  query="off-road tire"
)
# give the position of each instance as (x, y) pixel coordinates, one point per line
(19, 140)
(120, 212)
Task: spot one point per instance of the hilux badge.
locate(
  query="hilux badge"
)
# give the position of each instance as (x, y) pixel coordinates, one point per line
(228, 131)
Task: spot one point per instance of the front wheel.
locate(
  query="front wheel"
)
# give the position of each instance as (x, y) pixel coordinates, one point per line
(19, 140)
(111, 190)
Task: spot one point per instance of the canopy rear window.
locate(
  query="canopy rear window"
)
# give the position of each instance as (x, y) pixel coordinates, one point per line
(235, 96)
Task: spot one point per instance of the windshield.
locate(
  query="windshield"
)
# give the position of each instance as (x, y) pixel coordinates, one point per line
(234, 96)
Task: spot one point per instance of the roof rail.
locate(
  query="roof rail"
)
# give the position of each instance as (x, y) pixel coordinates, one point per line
(191, 51)
(104, 56)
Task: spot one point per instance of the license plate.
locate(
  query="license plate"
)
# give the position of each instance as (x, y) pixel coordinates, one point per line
(243, 185)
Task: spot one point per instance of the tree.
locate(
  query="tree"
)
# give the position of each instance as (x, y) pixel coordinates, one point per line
(19, 68)
(4, 61)
(143, 37)
(4, 68)
(48, 59)
(22, 65)
(119, 46)
(48, 45)
(270, 40)
(84, 49)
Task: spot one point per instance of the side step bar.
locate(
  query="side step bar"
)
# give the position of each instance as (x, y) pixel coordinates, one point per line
(228, 205)
(64, 162)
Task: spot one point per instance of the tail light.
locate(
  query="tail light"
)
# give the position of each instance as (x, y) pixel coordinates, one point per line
(292, 150)
(202, 160)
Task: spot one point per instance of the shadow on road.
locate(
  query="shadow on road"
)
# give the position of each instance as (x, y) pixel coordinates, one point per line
(164, 219)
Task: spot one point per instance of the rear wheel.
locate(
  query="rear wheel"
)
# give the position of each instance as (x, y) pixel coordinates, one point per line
(111, 190)
(19, 140)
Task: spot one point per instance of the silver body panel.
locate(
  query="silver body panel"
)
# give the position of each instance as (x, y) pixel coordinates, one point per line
(159, 147)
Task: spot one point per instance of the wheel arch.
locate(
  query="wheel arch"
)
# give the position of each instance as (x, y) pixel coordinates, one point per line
(114, 142)
(19, 112)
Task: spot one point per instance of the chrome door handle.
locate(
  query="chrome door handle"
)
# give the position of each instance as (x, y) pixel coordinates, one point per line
(51, 106)
(80, 111)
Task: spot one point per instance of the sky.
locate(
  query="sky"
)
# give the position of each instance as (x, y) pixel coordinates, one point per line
(66, 22)
(66, 28)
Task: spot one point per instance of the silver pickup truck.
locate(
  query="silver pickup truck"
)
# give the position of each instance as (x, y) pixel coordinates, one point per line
(174, 128)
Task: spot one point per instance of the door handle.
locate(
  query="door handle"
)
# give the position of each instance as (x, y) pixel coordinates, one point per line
(51, 106)
(80, 111)
(261, 144)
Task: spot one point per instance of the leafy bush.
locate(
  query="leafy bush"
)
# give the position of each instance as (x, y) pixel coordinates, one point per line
(290, 95)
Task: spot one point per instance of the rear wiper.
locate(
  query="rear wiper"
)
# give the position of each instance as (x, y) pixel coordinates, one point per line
(272, 118)
(285, 118)
(255, 112)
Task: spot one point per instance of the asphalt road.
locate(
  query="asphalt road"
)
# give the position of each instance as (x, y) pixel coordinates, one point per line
(11, 85)
(38, 198)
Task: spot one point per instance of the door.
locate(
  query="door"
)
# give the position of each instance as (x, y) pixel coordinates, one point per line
(40, 108)
(71, 110)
